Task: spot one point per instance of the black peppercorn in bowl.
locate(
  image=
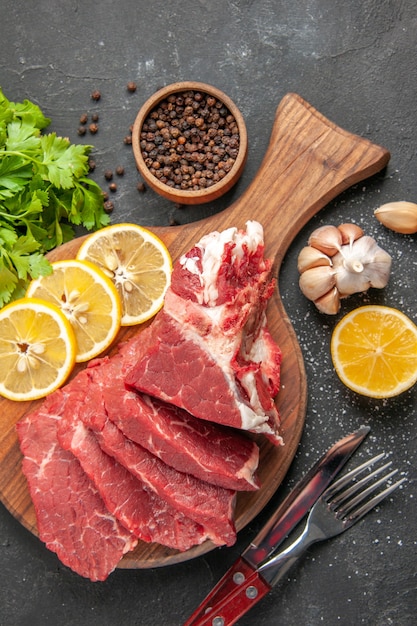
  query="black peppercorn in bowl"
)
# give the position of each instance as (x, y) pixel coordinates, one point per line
(190, 142)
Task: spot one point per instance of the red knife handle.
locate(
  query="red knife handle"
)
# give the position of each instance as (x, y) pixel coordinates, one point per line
(239, 572)
(238, 591)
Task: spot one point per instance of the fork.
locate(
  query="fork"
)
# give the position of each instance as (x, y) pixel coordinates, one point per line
(343, 504)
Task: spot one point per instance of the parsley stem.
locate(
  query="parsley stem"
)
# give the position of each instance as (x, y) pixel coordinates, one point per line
(9, 217)
(24, 155)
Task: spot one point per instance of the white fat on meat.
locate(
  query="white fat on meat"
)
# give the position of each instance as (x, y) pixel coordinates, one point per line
(253, 417)
(216, 343)
(212, 246)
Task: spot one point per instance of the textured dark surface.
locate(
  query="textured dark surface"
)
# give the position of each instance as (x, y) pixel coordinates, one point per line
(353, 61)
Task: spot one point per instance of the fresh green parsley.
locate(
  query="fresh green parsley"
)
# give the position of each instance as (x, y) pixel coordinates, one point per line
(44, 192)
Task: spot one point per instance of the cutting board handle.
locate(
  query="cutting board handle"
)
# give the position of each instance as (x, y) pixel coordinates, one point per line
(308, 162)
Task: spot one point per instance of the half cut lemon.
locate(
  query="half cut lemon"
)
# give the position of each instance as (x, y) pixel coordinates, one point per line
(37, 349)
(137, 262)
(374, 351)
(87, 298)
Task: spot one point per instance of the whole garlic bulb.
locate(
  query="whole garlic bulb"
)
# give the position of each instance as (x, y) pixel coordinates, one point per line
(338, 262)
(360, 266)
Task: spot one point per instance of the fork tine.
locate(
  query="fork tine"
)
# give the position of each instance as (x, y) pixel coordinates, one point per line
(357, 486)
(365, 508)
(345, 480)
(341, 498)
(347, 505)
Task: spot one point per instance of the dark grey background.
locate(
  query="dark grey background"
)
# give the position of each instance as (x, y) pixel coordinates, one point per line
(355, 62)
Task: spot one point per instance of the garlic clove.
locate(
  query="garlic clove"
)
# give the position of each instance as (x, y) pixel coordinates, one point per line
(317, 281)
(350, 232)
(329, 303)
(348, 283)
(400, 217)
(381, 268)
(360, 266)
(311, 257)
(327, 239)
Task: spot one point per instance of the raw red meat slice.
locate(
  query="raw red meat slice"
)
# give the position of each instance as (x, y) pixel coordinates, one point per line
(72, 518)
(144, 513)
(209, 350)
(206, 504)
(207, 451)
(210, 506)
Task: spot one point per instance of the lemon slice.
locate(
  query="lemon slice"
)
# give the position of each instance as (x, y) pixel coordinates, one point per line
(374, 351)
(37, 349)
(88, 299)
(139, 264)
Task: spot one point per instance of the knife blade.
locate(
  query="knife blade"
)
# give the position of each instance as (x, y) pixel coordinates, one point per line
(284, 519)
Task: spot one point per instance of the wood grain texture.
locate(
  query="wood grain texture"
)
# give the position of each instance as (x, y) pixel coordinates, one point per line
(309, 161)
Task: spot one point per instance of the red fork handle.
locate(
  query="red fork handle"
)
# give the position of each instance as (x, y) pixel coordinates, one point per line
(234, 595)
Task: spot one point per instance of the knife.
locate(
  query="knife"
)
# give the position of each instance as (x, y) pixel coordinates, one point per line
(242, 574)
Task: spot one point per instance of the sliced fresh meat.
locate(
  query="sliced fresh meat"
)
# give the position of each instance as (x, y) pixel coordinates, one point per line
(206, 504)
(208, 353)
(215, 454)
(72, 518)
(207, 451)
(140, 510)
(209, 350)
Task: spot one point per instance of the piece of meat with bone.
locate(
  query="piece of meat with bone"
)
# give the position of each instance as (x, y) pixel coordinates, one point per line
(72, 518)
(209, 350)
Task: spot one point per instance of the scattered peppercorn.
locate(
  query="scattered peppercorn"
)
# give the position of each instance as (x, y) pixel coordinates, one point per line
(120, 170)
(108, 174)
(96, 95)
(83, 118)
(82, 130)
(91, 165)
(131, 86)
(105, 196)
(93, 128)
(95, 117)
(190, 141)
(127, 140)
(113, 187)
(108, 206)
(141, 187)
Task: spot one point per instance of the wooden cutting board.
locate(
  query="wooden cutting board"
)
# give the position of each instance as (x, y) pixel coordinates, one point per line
(309, 161)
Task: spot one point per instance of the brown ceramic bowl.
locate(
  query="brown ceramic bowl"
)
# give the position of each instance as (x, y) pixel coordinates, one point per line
(200, 194)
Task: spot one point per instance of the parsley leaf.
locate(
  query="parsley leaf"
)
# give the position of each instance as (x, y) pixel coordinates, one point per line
(8, 283)
(25, 110)
(62, 162)
(14, 175)
(22, 136)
